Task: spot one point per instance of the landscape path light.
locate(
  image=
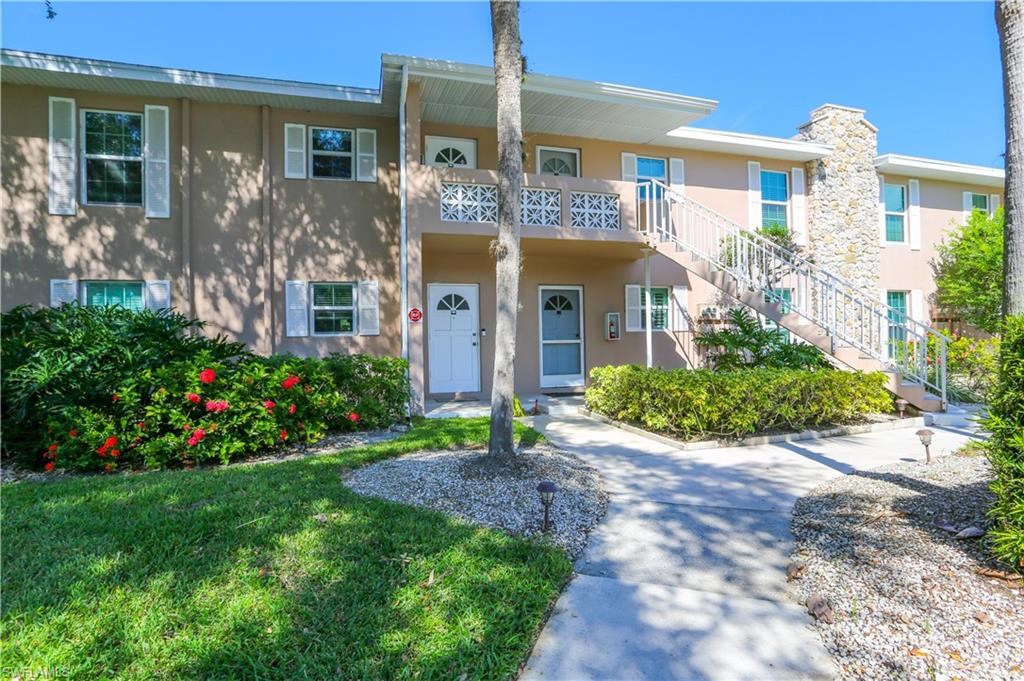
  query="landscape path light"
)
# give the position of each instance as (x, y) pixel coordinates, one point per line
(547, 491)
(901, 406)
(925, 436)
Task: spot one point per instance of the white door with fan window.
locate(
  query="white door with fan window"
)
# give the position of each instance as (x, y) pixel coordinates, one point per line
(561, 336)
(453, 329)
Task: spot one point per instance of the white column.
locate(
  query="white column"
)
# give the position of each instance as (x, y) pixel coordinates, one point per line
(647, 308)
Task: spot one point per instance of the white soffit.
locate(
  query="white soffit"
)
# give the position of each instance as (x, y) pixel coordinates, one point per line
(463, 94)
(60, 72)
(946, 171)
(743, 144)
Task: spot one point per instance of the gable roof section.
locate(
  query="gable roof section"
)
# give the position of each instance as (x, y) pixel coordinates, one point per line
(947, 171)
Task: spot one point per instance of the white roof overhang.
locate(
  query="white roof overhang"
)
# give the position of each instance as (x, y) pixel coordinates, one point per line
(947, 171)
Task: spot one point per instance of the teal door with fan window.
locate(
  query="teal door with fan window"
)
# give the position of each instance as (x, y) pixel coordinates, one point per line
(561, 336)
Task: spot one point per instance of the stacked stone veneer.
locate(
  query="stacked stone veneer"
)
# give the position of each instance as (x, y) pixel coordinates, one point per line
(842, 195)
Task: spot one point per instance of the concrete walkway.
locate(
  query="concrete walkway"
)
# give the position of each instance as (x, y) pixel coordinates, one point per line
(685, 576)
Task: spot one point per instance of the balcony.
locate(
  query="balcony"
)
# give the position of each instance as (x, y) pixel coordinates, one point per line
(459, 201)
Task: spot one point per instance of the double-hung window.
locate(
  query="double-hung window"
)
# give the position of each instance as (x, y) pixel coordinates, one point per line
(659, 308)
(774, 198)
(895, 213)
(127, 294)
(333, 308)
(648, 169)
(112, 146)
(331, 154)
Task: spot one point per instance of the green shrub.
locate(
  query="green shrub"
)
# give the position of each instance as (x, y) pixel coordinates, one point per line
(208, 400)
(748, 344)
(972, 369)
(1005, 422)
(702, 404)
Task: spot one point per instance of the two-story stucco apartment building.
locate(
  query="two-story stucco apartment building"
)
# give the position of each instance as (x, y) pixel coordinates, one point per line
(311, 218)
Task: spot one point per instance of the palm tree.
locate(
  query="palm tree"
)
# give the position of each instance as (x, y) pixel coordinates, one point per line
(508, 75)
(1010, 20)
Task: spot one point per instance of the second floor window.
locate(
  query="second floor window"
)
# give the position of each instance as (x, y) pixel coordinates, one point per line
(112, 157)
(774, 198)
(979, 202)
(650, 169)
(556, 161)
(895, 213)
(330, 153)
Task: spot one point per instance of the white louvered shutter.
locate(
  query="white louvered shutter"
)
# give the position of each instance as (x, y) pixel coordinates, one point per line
(296, 302)
(799, 207)
(63, 291)
(295, 152)
(754, 194)
(968, 206)
(369, 308)
(633, 308)
(680, 299)
(157, 154)
(993, 203)
(158, 294)
(914, 214)
(628, 167)
(881, 213)
(677, 175)
(366, 155)
(917, 308)
(61, 157)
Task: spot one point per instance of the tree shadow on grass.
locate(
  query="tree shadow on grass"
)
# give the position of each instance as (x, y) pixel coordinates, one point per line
(274, 571)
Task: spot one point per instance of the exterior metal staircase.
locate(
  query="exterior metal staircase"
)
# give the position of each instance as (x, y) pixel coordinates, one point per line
(850, 324)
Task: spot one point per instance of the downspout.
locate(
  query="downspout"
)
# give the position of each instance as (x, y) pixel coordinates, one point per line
(403, 218)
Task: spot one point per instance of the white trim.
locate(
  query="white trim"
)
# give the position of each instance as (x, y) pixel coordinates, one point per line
(798, 206)
(310, 153)
(677, 175)
(755, 217)
(743, 144)
(560, 380)
(913, 220)
(904, 213)
(312, 308)
(476, 312)
(454, 142)
(141, 160)
(946, 171)
(881, 212)
(785, 204)
(150, 158)
(292, 173)
(567, 150)
(365, 135)
(53, 174)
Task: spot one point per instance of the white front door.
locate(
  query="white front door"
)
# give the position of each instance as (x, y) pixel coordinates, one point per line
(561, 336)
(453, 326)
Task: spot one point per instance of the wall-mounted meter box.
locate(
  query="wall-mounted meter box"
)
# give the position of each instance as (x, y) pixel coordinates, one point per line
(612, 326)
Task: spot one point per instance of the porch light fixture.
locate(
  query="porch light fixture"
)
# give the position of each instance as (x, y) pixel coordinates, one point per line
(901, 406)
(925, 436)
(547, 491)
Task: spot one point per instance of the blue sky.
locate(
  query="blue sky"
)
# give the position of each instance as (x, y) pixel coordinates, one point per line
(928, 74)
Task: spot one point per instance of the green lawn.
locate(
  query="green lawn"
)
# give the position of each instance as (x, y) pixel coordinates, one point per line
(267, 571)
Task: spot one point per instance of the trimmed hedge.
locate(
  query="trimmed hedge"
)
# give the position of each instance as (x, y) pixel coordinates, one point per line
(703, 404)
(1005, 422)
(95, 389)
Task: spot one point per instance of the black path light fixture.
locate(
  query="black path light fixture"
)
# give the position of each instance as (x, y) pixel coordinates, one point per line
(547, 491)
(925, 436)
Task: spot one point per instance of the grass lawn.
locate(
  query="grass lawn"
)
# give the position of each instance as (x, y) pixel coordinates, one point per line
(265, 571)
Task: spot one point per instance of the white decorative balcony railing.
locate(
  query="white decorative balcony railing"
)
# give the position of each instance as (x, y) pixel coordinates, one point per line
(542, 207)
(592, 210)
(462, 202)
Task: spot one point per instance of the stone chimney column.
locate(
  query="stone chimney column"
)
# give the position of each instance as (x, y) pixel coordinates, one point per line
(842, 195)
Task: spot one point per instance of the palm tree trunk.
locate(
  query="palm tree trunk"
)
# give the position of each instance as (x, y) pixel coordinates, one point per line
(508, 74)
(1010, 20)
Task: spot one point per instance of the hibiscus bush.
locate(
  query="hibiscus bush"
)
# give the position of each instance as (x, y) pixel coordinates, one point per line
(213, 401)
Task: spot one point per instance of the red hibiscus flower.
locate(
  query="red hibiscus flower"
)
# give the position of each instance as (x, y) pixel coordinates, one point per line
(353, 417)
(193, 398)
(111, 441)
(292, 408)
(73, 433)
(115, 453)
(217, 406)
(290, 382)
(52, 449)
(207, 376)
(269, 405)
(284, 434)
(102, 451)
(48, 467)
(141, 424)
(193, 441)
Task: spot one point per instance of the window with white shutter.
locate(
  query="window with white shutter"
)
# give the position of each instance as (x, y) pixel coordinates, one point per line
(369, 308)
(63, 291)
(158, 162)
(296, 308)
(914, 214)
(295, 151)
(799, 207)
(754, 195)
(680, 313)
(633, 308)
(628, 167)
(677, 175)
(993, 203)
(113, 151)
(61, 157)
(158, 294)
(366, 155)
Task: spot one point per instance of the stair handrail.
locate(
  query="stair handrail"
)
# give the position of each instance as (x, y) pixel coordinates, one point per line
(659, 198)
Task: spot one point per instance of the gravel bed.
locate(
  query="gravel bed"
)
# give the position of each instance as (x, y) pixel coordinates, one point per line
(908, 598)
(462, 483)
(330, 444)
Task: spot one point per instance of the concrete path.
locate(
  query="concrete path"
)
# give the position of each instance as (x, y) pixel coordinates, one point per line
(685, 576)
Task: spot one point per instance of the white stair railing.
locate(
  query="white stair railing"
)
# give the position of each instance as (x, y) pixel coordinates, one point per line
(849, 315)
